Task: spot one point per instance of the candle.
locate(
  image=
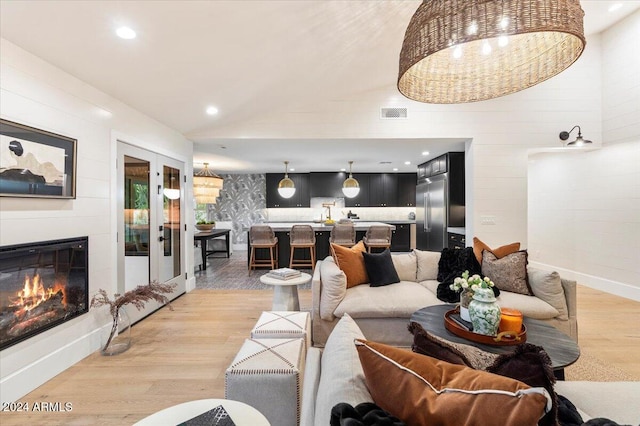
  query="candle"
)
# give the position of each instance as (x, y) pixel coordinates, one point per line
(510, 320)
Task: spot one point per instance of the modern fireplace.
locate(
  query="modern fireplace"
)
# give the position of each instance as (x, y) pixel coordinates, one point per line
(42, 285)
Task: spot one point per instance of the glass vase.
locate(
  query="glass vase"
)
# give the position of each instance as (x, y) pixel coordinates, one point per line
(117, 337)
(484, 312)
(466, 296)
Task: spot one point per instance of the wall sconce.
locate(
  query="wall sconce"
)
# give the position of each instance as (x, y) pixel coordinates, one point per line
(286, 187)
(579, 140)
(350, 187)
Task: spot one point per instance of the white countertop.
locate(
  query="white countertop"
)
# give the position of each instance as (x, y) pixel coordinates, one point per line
(359, 225)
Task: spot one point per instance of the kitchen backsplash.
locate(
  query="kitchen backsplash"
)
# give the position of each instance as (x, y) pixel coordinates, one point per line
(375, 214)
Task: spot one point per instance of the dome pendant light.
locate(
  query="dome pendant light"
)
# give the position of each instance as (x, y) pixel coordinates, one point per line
(286, 187)
(350, 187)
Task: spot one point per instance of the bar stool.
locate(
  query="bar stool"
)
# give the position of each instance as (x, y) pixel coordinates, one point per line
(343, 234)
(263, 237)
(377, 237)
(302, 236)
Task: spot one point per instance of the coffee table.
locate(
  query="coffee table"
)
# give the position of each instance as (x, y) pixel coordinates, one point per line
(561, 348)
(241, 413)
(285, 292)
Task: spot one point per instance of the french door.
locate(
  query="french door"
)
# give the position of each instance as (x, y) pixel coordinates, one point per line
(151, 231)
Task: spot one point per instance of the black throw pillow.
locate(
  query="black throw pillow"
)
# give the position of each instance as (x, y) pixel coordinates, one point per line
(453, 262)
(380, 268)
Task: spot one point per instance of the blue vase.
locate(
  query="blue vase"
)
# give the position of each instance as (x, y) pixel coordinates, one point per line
(484, 312)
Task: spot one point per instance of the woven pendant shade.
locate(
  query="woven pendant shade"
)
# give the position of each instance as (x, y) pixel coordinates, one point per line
(458, 51)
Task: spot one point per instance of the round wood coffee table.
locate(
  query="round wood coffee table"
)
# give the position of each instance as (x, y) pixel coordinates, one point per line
(285, 292)
(561, 348)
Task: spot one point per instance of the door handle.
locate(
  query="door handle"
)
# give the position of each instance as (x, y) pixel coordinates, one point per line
(161, 239)
(427, 212)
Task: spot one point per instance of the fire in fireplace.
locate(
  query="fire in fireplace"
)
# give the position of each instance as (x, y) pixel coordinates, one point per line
(41, 285)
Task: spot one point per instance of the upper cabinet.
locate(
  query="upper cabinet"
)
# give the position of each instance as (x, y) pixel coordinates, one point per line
(383, 189)
(299, 199)
(376, 189)
(407, 189)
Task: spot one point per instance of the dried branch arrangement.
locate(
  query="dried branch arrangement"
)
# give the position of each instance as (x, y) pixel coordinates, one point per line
(138, 297)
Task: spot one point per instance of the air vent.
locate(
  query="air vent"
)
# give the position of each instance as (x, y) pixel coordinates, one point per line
(393, 113)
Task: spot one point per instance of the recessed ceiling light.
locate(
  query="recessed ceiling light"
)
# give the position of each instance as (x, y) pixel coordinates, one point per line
(425, 152)
(211, 110)
(615, 7)
(292, 169)
(406, 163)
(395, 169)
(343, 169)
(126, 33)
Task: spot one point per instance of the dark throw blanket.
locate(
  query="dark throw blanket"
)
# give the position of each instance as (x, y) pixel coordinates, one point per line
(453, 262)
(365, 414)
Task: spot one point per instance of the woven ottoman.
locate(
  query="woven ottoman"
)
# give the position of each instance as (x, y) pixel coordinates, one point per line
(267, 374)
(283, 325)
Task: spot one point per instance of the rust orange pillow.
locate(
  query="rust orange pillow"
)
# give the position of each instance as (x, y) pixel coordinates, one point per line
(351, 261)
(436, 392)
(499, 252)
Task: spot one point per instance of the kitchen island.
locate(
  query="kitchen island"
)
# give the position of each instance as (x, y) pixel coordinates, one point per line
(322, 231)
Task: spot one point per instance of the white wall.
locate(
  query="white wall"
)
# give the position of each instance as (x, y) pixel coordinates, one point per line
(34, 93)
(584, 206)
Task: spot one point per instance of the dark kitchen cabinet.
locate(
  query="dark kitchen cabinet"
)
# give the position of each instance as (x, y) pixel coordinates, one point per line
(383, 188)
(406, 190)
(362, 199)
(300, 198)
(401, 238)
(327, 184)
(322, 244)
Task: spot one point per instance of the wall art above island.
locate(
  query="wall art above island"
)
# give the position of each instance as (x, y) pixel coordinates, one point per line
(36, 163)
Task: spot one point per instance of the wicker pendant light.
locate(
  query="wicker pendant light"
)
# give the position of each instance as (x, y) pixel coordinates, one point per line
(206, 186)
(286, 187)
(458, 51)
(350, 187)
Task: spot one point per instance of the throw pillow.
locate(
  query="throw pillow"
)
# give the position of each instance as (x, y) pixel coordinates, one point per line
(365, 414)
(508, 273)
(548, 287)
(437, 392)
(502, 251)
(351, 261)
(427, 264)
(334, 287)
(380, 268)
(406, 266)
(342, 378)
(453, 262)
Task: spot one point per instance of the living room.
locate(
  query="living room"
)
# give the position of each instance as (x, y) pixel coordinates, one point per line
(567, 218)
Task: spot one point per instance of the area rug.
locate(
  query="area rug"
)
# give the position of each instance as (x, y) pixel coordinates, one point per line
(591, 368)
(233, 274)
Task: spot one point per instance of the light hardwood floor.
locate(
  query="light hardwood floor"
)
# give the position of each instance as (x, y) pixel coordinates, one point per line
(181, 355)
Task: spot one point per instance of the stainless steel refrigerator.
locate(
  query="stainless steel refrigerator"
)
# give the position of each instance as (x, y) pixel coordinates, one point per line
(431, 213)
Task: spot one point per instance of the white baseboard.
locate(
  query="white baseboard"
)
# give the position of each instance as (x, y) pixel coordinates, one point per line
(609, 286)
(28, 378)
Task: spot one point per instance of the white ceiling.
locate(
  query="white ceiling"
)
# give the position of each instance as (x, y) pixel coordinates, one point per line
(251, 59)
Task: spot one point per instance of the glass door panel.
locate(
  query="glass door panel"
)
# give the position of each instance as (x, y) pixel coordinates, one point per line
(171, 224)
(137, 228)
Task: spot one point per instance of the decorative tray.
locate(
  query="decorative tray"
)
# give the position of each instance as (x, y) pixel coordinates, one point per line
(505, 338)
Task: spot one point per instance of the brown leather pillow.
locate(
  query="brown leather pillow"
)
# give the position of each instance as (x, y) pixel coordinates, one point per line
(437, 392)
(499, 252)
(351, 261)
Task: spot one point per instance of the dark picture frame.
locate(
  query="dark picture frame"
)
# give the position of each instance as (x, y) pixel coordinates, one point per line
(36, 163)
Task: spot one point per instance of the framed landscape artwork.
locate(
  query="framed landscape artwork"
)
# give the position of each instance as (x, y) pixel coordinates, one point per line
(36, 163)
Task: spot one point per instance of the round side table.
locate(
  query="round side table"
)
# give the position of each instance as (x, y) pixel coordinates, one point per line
(285, 292)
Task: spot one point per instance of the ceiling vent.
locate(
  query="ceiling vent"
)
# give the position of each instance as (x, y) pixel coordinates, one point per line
(393, 113)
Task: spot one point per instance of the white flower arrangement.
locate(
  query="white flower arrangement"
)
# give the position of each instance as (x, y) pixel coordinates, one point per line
(474, 282)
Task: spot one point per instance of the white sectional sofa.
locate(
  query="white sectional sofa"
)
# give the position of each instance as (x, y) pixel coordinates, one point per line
(383, 312)
(334, 374)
